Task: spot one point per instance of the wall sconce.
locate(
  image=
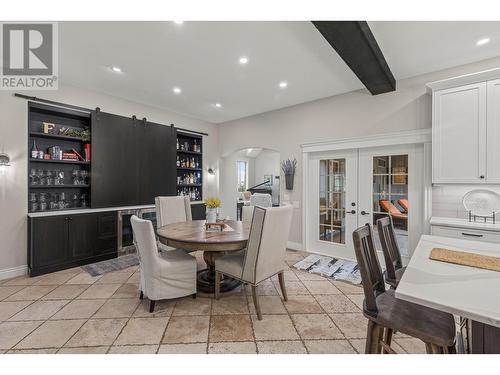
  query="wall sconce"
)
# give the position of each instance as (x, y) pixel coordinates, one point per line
(4, 162)
(211, 171)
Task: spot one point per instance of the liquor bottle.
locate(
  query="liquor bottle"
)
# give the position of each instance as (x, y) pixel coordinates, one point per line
(191, 179)
(199, 178)
(195, 146)
(34, 150)
(177, 143)
(178, 162)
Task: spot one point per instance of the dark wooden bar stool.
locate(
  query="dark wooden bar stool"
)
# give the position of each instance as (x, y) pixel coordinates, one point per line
(394, 269)
(385, 312)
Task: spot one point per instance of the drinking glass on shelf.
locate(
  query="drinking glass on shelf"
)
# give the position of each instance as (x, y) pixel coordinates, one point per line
(84, 175)
(54, 201)
(41, 177)
(76, 200)
(42, 201)
(50, 177)
(33, 177)
(59, 177)
(83, 200)
(62, 201)
(76, 177)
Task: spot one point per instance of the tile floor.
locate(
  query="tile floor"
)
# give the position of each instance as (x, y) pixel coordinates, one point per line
(73, 312)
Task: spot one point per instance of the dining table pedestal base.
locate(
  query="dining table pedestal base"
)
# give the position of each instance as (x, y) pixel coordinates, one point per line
(206, 278)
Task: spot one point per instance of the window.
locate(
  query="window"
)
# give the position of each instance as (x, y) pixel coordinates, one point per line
(242, 167)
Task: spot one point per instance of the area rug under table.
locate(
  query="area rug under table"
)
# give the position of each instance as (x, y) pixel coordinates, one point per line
(116, 264)
(337, 269)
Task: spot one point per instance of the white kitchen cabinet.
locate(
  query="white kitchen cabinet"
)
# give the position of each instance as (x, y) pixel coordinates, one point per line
(493, 133)
(459, 134)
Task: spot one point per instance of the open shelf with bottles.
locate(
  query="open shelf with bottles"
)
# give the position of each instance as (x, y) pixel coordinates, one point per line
(189, 166)
(59, 158)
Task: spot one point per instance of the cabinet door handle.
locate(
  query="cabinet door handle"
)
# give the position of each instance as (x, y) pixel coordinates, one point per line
(481, 177)
(472, 234)
(364, 213)
(351, 212)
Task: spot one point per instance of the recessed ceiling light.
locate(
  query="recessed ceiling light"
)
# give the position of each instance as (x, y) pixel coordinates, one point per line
(177, 90)
(283, 84)
(116, 69)
(243, 60)
(218, 105)
(179, 22)
(482, 42)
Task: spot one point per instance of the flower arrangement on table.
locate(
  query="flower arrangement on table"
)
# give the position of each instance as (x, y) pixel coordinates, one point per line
(212, 205)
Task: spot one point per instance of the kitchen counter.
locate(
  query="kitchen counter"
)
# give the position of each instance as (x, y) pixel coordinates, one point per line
(464, 223)
(93, 210)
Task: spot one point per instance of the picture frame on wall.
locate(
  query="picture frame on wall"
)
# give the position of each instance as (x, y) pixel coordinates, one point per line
(268, 178)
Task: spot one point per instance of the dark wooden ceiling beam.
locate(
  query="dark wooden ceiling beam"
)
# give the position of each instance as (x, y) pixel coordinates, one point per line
(356, 45)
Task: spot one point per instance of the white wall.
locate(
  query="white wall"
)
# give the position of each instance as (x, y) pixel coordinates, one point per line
(267, 162)
(14, 141)
(447, 199)
(349, 115)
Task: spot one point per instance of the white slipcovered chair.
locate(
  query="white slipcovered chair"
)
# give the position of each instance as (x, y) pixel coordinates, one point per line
(166, 275)
(265, 253)
(262, 200)
(171, 210)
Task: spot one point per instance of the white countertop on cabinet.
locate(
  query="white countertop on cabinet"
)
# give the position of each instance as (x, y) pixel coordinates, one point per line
(93, 210)
(464, 291)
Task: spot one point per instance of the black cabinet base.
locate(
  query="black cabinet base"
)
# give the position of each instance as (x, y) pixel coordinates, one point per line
(485, 339)
(32, 272)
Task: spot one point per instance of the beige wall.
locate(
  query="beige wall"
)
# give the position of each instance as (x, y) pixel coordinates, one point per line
(349, 115)
(13, 140)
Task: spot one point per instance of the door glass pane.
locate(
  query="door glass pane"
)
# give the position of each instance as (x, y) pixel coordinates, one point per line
(390, 195)
(332, 200)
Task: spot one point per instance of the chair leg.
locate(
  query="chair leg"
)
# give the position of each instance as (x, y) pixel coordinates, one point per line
(256, 302)
(141, 295)
(387, 339)
(152, 306)
(217, 284)
(281, 278)
(372, 338)
(194, 296)
(428, 348)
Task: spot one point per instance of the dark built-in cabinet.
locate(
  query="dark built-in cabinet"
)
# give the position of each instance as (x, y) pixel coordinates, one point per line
(63, 241)
(93, 159)
(133, 161)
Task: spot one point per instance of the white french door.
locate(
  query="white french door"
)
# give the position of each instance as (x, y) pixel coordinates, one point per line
(333, 179)
(349, 188)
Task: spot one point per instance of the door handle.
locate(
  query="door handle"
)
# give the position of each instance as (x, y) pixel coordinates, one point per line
(351, 212)
(364, 213)
(472, 234)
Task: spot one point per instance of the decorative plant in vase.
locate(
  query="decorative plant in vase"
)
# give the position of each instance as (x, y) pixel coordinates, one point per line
(288, 167)
(212, 205)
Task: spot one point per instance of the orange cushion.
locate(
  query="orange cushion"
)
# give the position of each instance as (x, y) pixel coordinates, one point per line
(389, 207)
(404, 203)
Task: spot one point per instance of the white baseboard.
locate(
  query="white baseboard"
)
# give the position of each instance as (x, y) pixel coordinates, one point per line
(9, 273)
(294, 246)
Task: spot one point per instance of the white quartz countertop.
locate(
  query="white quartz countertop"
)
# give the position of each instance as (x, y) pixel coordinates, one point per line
(465, 291)
(464, 223)
(93, 210)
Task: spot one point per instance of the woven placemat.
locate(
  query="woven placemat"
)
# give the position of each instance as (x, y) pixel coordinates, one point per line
(465, 259)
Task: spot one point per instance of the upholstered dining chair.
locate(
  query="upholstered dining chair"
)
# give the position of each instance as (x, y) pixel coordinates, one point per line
(171, 210)
(247, 213)
(394, 269)
(265, 253)
(385, 312)
(166, 275)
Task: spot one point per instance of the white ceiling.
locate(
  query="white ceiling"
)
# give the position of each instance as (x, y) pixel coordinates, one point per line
(202, 59)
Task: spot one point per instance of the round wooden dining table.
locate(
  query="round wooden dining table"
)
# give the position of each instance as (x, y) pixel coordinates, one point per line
(193, 236)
